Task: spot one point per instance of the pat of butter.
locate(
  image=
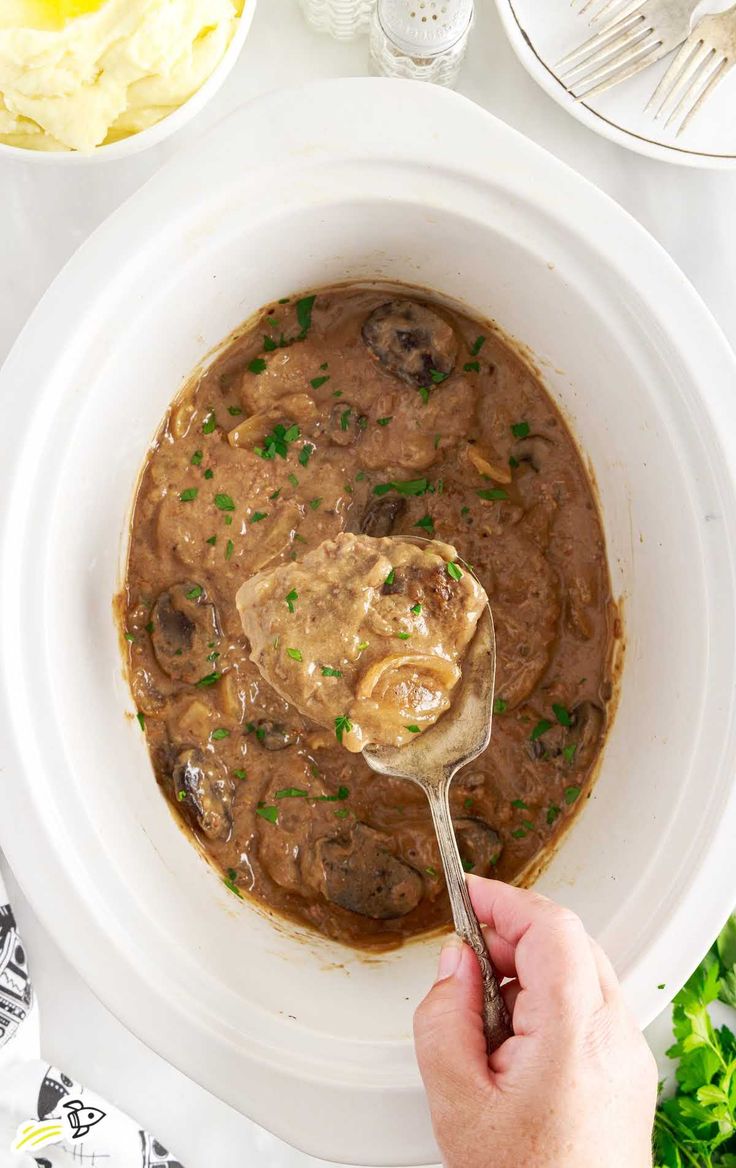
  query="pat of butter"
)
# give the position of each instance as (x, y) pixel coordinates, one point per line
(44, 14)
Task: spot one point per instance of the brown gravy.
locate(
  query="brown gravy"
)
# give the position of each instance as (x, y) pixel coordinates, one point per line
(381, 413)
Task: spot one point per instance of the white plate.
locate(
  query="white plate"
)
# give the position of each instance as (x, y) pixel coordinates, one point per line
(542, 33)
(298, 189)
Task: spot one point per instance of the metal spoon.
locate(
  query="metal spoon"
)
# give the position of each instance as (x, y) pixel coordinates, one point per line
(431, 760)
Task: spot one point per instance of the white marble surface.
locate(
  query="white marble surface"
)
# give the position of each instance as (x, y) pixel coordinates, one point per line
(45, 214)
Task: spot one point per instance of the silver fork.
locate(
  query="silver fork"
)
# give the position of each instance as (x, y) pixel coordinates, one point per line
(635, 35)
(707, 55)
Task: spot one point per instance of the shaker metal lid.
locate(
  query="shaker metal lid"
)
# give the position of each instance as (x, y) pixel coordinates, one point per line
(425, 28)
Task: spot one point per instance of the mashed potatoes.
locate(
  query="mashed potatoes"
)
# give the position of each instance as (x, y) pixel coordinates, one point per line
(78, 73)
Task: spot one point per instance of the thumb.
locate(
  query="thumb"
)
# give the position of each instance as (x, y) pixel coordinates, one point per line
(448, 1030)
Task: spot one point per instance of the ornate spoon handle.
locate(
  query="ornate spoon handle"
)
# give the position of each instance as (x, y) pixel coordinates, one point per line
(496, 1021)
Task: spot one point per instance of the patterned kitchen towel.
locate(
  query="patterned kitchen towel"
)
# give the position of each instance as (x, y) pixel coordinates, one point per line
(46, 1119)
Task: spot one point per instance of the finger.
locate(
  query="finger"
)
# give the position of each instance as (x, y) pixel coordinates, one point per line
(610, 984)
(510, 991)
(448, 1030)
(552, 954)
(502, 954)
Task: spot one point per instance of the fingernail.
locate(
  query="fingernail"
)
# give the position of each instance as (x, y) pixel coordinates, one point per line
(450, 955)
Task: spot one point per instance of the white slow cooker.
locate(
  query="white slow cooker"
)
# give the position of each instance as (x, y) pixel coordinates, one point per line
(357, 179)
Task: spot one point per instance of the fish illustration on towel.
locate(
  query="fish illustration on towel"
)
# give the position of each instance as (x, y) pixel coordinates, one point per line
(74, 1125)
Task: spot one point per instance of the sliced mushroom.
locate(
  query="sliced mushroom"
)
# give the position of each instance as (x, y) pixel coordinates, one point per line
(411, 341)
(362, 875)
(185, 632)
(534, 449)
(381, 515)
(345, 424)
(274, 735)
(586, 731)
(207, 791)
(479, 845)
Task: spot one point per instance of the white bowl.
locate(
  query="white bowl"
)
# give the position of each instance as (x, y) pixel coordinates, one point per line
(156, 133)
(299, 189)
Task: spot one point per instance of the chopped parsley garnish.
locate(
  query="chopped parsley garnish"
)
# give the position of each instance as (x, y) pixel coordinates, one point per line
(520, 429)
(240, 774)
(464, 510)
(345, 418)
(209, 473)
(324, 365)
(568, 752)
(552, 813)
(424, 394)
(304, 314)
(416, 609)
(431, 872)
(224, 502)
(228, 519)
(181, 795)
(305, 453)
(427, 523)
(295, 654)
(327, 671)
(571, 794)
(467, 803)
(220, 733)
(234, 411)
(149, 627)
(269, 344)
(403, 636)
(229, 549)
(129, 637)
(284, 300)
(290, 598)
(257, 516)
(337, 393)
(275, 494)
(229, 882)
(341, 813)
(291, 793)
(468, 865)
(343, 725)
(194, 592)
(492, 493)
(141, 720)
(317, 381)
(391, 577)
(269, 813)
(413, 729)
(455, 571)
(384, 421)
(209, 679)
(519, 833)
(437, 376)
(209, 422)
(362, 645)
(277, 442)
(293, 480)
(513, 462)
(360, 476)
(257, 365)
(405, 487)
(541, 728)
(562, 714)
(213, 656)
(197, 458)
(519, 804)
(471, 367)
(315, 503)
(342, 793)
(477, 345)
(189, 494)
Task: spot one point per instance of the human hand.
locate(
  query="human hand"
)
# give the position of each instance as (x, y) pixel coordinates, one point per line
(575, 1086)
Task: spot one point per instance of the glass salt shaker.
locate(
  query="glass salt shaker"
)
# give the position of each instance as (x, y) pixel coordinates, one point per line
(342, 19)
(421, 39)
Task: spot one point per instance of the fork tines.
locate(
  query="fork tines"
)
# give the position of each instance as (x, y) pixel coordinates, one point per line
(627, 44)
(689, 81)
